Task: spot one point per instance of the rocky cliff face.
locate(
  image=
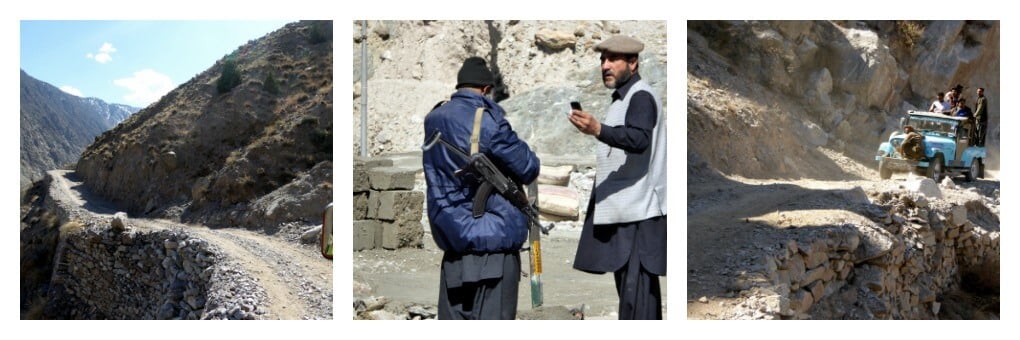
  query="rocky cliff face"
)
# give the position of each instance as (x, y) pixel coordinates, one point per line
(56, 126)
(209, 156)
(541, 67)
(775, 93)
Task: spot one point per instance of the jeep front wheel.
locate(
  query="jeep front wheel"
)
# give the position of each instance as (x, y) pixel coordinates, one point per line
(883, 171)
(975, 170)
(935, 168)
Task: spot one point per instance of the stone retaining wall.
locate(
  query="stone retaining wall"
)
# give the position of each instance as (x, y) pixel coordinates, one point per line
(167, 274)
(896, 268)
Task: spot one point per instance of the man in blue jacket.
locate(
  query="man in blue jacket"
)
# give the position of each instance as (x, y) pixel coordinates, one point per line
(625, 229)
(481, 264)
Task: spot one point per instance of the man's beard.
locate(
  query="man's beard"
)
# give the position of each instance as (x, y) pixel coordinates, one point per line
(618, 80)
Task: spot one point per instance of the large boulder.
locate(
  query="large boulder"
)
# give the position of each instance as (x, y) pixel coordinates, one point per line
(554, 40)
(119, 221)
(924, 186)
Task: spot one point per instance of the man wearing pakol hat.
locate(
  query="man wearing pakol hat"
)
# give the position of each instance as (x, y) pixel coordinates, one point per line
(481, 264)
(624, 231)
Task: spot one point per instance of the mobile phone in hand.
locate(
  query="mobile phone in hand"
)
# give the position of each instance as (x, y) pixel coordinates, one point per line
(575, 106)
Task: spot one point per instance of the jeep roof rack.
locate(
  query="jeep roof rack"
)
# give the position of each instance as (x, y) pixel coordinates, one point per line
(935, 115)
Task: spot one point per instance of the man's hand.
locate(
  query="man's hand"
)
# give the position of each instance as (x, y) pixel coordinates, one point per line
(585, 123)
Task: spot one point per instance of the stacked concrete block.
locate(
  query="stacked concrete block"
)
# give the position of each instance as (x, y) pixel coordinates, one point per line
(387, 211)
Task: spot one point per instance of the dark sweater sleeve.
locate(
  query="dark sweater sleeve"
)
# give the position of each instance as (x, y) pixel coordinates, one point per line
(636, 133)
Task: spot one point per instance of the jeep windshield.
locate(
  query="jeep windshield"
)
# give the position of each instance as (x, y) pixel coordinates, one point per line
(934, 126)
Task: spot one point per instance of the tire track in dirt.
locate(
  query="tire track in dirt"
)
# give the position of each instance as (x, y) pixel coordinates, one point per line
(291, 269)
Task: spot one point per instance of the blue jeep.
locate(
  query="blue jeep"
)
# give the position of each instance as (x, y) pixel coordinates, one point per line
(946, 143)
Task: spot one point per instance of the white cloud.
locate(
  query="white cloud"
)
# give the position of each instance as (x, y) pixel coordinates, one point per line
(145, 86)
(72, 91)
(103, 56)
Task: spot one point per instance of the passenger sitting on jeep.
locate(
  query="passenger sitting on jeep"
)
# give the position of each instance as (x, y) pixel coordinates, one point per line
(962, 110)
(940, 104)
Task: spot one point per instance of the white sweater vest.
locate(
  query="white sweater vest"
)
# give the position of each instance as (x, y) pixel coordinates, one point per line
(631, 187)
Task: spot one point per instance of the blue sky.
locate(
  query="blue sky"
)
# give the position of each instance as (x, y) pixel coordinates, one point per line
(129, 62)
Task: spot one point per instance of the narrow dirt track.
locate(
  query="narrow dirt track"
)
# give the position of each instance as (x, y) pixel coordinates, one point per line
(722, 227)
(298, 281)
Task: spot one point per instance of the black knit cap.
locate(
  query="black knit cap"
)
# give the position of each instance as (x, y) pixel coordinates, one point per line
(474, 72)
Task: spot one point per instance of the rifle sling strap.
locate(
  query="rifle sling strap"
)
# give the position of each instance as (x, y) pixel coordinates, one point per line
(476, 130)
(485, 189)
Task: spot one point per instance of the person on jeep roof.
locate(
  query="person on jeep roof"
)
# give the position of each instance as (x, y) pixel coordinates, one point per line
(952, 97)
(940, 104)
(962, 110)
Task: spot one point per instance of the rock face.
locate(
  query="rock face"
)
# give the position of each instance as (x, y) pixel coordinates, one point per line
(303, 199)
(541, 66)
(56, 126)
(213, 157)
(761, 91)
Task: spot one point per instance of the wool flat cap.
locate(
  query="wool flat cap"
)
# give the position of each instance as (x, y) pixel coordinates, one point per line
(620, 44)
(474, 72)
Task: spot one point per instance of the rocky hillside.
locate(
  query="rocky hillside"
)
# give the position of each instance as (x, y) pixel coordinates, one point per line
(786, 215)
(56, 126)
(541, 67)
(248, 142)
(788, 99)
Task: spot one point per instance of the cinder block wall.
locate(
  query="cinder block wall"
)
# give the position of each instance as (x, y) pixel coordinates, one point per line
(387, 211)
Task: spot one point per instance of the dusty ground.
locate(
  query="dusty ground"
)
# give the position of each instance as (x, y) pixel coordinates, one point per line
(297, 280)
(412, 276)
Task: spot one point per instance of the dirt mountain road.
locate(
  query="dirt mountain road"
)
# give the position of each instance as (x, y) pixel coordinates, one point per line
(297, 280)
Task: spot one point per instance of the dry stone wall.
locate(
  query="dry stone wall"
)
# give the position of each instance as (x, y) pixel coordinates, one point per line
(133, 274)
(898, 267)
(387, 209)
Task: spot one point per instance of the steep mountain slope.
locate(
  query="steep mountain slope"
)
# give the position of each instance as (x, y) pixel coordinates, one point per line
(216, 154)
(56, 126)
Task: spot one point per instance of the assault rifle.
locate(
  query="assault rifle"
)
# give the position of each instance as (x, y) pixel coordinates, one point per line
(492, 179)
